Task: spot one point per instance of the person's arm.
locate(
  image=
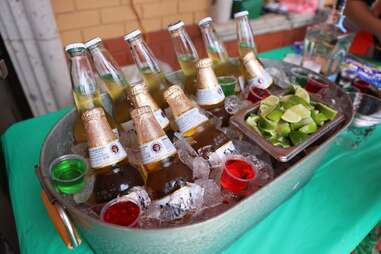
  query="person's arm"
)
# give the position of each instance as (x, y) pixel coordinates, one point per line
(364, 17)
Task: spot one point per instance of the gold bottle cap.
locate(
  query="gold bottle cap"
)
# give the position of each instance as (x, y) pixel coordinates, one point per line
(146, 125)
(140, 96)
(98, 129)
(204, 63)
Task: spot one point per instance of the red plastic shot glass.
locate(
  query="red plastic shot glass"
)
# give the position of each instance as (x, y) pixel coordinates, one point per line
(121, 211)
(256, 94)
(237, 174)
(315, 84)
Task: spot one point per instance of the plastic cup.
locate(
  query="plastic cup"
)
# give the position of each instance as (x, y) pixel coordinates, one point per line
(256, 94)
(67, 173)
(237, 174)
(228, 84)
(315, 84)
(122, 211)
(299, 76)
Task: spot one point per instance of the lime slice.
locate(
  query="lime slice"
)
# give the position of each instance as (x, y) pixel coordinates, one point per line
(291, 100)
(309, 128)
(275, 115)
(271, 100)
(252, 120)
(281, 141)
(301, 93)
(268, 105)
(285, 97)
(283, 129)
(301, 110)
(265, 124)
(291, 117)
(305, 121)
(297, 137)
(327, 111)
(270, 134)
(319, 118)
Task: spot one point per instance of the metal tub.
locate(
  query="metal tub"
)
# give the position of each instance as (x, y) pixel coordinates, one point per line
(210, 236)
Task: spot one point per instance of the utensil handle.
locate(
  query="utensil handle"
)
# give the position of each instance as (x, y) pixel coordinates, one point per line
(62, 223)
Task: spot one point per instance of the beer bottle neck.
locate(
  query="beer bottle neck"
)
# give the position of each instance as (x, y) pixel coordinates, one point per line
(82, 75)
(143, 57)
(245, 33)
(180, 104)
(184, 47)
(213, 44)
(144, 99)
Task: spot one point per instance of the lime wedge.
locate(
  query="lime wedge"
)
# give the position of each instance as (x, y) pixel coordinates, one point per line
(268, 105)
(297, 137)
(301, 110)
(275, 115)
(286, 97)
(271, 100)
(301, 93)
(309, 128)
(269, 133)
(283, 129)
(265, 124)
(305, 121)
(327, 111)
(319, 118)
(252, 120)
(291, 117)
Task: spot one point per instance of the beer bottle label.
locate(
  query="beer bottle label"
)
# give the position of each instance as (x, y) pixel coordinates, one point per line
(181, 202)
(210, 96)
(161, 118)
(190, 119)
(157, 150)
(221, 152)
(106, 155)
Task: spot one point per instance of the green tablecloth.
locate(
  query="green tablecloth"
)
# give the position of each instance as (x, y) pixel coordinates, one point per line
(331, 214)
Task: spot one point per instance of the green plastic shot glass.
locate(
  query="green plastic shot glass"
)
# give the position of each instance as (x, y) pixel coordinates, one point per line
(67, 173)
(228, 84)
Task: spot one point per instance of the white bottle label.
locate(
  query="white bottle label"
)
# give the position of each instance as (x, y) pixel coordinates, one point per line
(161, 118)
(179, 203)
(221, 152)
(157, 150)
(106, 155)
(210, 96)
(262, 81)
(190, 119)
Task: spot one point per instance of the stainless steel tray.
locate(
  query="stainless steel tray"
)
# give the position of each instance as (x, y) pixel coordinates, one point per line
(209, 236)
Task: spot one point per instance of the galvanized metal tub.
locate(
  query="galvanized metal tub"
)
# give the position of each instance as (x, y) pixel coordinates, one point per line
(210, 236)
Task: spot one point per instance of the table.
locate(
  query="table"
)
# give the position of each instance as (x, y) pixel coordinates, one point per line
(331, 214)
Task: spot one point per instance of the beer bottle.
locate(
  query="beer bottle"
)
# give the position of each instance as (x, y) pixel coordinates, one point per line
(206, 139)
(165, 173)
(246, 41)
(85, 91)
(257, 75)
(186, 54)
(148, 66)
(113, 174)
(139, 97)
(115, 82)
(209, 93)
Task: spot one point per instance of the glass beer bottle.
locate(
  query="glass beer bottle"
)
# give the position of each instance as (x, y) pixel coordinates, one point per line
(209, 94)
(113, 174)
(139, 97)
(85, 91)
(257, 75)
(165, 173)
(186, 54)
(216, 50)
(246, 41)
(148, 66)
(206, 139)
(115, 82)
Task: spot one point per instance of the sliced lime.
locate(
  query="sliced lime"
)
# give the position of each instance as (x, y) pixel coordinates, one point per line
(327, 111)
(285, 97)
(301, 110)
(275, 115)
(270, 134)
(283, 129)
(291, 117)
(305, 121)
(271, 100)
(301, 93)
(252, 120)
(265, 124)
(297, 137)
(309, 128)
(268, 105)
(319, 118)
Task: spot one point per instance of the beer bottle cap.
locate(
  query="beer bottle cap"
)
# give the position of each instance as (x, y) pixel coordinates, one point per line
(76, 45)
(132, 35)
(204, 63)
(175, 26)
(205, 21)
(241, 14)
(93, 42)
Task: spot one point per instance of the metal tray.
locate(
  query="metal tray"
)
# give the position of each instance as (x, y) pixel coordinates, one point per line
(280, 153)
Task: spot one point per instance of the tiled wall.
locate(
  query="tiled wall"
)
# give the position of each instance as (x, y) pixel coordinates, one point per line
(80, 20)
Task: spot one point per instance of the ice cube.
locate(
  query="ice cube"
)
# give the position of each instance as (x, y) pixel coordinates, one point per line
(246, 148)
(212, 192)
(185, 151)
(279, 76)
(265, 172)
(84, 195)
(200, 168)
(139, 194)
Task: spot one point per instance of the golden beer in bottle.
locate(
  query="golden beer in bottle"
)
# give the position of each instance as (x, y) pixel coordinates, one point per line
(186, 54)
(139, 97)
(148, 66)
(114, 176)
(113, 77)
(165, 173)
(209, 93)
(257, 75)
(206, 139)
(85, 91)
